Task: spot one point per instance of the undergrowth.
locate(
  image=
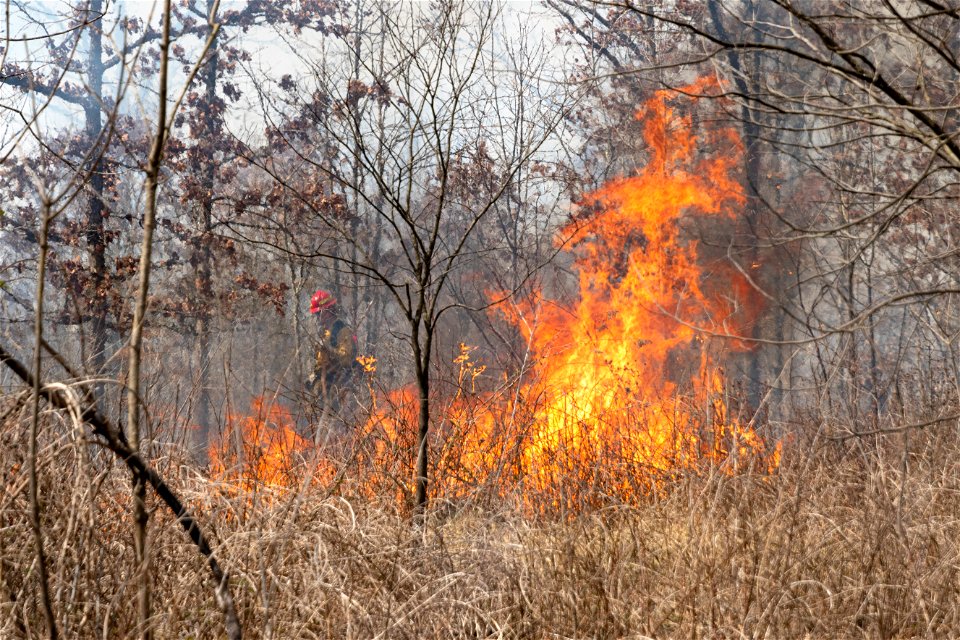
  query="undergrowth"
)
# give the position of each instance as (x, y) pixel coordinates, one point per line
(846, 539)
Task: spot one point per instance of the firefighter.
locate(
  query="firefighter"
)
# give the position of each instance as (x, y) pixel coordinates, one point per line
(336, 360)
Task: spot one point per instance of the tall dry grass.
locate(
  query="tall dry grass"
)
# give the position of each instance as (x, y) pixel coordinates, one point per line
(848, 539)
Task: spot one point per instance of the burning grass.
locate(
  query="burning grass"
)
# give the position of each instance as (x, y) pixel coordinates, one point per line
(626, 370)
(625, 392)
(839, 543)
(262, 448)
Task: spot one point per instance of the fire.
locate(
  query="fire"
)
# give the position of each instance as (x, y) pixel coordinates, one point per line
(466, 445)
(626, 390)
(260, 449)
(628, 372)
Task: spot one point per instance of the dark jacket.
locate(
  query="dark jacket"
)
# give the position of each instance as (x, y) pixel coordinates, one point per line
(336, 358)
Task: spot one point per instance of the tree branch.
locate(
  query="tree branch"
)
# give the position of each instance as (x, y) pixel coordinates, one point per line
(114, 440)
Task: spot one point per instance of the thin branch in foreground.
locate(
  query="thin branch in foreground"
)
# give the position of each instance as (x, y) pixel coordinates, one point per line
(51, 621)
(900, 428)
(115, 441)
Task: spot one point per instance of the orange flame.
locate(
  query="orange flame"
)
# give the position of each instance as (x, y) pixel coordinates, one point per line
(261, 449)
(626, 390)
(619, 367)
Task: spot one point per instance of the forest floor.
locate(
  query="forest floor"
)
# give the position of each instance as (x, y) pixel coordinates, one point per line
(843, 540)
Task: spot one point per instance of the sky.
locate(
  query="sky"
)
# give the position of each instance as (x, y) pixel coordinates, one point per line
(522, 19)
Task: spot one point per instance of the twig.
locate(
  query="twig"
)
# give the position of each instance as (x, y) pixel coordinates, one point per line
(115, 441)
(35, 523)
(900, 428)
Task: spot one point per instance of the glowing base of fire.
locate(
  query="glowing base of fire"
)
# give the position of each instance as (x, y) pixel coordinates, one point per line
(545, 454)
(262, 449)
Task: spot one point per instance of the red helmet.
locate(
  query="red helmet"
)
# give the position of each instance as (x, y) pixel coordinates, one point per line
(321, 301)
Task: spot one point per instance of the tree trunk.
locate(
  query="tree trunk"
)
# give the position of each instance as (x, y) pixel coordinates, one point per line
(204, 270)
(753, 171)
(35, 518)
(95, 237)
(423, 430)
(141, 517)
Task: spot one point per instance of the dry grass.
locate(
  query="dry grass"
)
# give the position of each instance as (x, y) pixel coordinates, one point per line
(843, 542)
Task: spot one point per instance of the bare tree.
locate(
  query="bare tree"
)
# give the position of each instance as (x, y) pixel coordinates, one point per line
(154, 164)
(410, 122)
